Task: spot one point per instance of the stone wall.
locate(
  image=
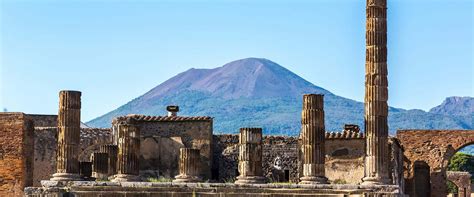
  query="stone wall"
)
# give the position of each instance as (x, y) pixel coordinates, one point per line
(344, 158)
(46, 144)
(16, 153)
(434, 148)
(161, 138)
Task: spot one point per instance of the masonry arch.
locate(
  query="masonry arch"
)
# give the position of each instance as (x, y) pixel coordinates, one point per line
(435, 148)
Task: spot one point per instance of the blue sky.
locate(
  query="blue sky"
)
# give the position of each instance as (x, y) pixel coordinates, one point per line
(114, 51)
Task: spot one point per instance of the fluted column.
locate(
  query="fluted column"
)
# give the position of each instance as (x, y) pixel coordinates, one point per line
(69, 122)
(189, 160)
(376, 94)
(112, 151)
(100, 165)
(250, 156)
(128, 136)
(312, 136)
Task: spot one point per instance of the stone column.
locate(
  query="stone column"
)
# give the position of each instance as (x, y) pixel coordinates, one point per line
(376, 94)
(312, 136)
(189, 160)
(100, 165)
(250, 156)
(128, 151)
(112, 151)
(69, 122)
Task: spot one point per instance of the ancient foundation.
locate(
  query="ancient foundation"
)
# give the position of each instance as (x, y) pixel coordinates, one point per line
(312, 137)
(100, 165)
(69, 121)
(188, 165)
(128, 136)
(111, 151)
(250, 156)
(376, 94)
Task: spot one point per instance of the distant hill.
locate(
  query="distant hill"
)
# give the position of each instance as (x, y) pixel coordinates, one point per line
(258, 92)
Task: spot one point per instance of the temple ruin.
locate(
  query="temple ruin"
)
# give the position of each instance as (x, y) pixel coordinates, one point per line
(173, 155)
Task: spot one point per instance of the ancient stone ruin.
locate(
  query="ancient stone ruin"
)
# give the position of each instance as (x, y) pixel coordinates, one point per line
(173, 155)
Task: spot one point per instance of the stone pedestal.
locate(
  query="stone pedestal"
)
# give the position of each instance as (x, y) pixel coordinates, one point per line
(85, 170)
(189, 160)
(128, 136)
(69, 120)
(100, 165)
(111, 151)
(250, 157)
(376, 95)
(312, 136)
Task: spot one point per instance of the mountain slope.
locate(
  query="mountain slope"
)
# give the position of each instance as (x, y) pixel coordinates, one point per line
(458, 106)
(257, 92)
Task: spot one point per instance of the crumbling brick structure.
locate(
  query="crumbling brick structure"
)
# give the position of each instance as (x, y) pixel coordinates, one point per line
(462, 180)
(16, 153)
(427, 156)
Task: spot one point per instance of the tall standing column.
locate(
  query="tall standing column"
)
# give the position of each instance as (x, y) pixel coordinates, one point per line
(376, 94)
(189, 160)
(312, 136)
(250, 156)
(69, 122)
(128, 151)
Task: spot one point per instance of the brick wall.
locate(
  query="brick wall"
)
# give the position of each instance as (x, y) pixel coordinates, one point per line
(16, 153)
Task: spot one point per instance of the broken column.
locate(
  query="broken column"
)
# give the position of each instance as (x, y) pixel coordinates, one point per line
(128, 136)
(69, 121)
(189, 160)
(250, 156)
(112, 151)
(376, 94)
(100, 165)
(312, 136)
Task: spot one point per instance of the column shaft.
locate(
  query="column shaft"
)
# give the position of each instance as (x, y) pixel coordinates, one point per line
(100, 165)
(112, 151)
(189, 160)
(250, 156)
(69, 121)
(376, 94)
(128, 151)
(313, 139)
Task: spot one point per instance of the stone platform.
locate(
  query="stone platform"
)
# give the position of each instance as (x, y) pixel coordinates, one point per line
(165, 189)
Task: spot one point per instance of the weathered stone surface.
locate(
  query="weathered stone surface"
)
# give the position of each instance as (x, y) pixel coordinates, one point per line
(69, 127)
(100, 165)
(112, 152)
(85, 170)
(188, 165)
(312, 140)
(462, 180)
(163, 136)
(250, 156)
(16, 153)
(83, 188)
(376, 95)
(128, 139)
(434, 148)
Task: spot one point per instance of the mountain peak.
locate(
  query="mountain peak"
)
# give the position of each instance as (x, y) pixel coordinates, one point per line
(455, 105)
(244, 78)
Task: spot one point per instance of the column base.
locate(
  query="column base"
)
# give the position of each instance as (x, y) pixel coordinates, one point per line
(375, 181)
(125, 178)
(66, 177)
(187, 179)
(251, 180)
(314, 180)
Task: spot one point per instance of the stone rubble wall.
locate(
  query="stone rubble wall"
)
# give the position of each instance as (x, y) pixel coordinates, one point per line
(46, 144)
(344, 158)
